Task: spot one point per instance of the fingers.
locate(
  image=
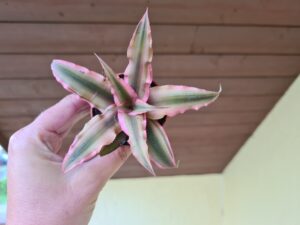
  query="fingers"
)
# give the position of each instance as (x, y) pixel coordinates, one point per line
(94, 174)
(54, 123)
(61, 117)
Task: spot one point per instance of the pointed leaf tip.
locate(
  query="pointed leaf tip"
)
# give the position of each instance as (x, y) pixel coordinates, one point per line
(146, 14)
(87, 84)
(178, 99)
(138, 73)
(220, 89)
(123, 94)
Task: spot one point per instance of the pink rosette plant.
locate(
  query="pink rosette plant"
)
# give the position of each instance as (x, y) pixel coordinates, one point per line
(131, 108)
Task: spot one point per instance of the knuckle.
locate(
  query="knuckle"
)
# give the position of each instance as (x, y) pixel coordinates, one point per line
(13, 141)
(15, 136)
(18, 140)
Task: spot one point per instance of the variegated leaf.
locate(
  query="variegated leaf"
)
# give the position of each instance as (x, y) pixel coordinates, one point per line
(123, 93)
(139, 53)
(89, 85)
(135, 128)
(141, 107)
(160, 150)
(100, 131)
(178, 99)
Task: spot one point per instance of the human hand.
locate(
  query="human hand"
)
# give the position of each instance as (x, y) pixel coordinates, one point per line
(39, 193)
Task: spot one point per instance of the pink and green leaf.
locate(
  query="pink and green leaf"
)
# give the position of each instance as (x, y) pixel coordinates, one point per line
(178, 99)
(135, 128)
(123, 93)
(141, 107)
(160, 149)
(89, 85)
(139, 53)
(100, 131)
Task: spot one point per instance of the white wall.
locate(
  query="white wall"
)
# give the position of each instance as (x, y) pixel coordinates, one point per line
(180, 200)
(262, 183)
(261, 186)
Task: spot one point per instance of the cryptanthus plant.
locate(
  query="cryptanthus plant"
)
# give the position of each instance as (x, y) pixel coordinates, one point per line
(131, 106)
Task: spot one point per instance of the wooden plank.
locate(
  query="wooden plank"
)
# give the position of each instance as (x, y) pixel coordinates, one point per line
(37, 89)
(273, 12)
(210, 159)
(196, 156)
(201, 165)
(10, 108)
(193, 118)
(242, 104)
(235, 86)
(247, 40)
(201, 133)
(163, 65)
(190, 145)
(216, 132)
(225, 65)
(198, 142)
(186, 120)
(32, 107)
(191, 139)
(202, 149)
(190, 133)
(89, 38)
(201, 152)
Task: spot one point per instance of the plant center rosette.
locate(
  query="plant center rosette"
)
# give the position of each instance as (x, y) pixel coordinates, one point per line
(121, 139)
(127, 108)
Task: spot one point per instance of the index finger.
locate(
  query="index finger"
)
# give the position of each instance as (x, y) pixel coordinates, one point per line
(60, 117)
(55, 123)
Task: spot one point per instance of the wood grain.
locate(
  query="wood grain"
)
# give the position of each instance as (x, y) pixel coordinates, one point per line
(193, 159)
(211, 159)
(38, 89)
(253, 12)
(253, 40)
(186, 120)
(211, 132)
(102, 38)
(87, 38)
(252, 48)
(32, 107)
(163, 65)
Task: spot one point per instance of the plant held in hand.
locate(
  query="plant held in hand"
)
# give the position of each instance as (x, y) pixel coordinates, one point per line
(130, 107)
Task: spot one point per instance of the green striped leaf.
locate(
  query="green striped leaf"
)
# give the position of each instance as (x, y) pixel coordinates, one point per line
(141, 107)
(178, 99)
(89, 85)
(100, 131)
(160, 150)
(123, 94)
(138, 73)
(135, 128)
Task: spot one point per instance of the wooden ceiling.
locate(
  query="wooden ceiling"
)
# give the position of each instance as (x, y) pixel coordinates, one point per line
(252, 48)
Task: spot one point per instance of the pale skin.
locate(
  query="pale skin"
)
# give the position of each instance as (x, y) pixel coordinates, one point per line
(39, 192)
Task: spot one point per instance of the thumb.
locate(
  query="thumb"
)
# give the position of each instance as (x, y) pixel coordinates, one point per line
(95, 173)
